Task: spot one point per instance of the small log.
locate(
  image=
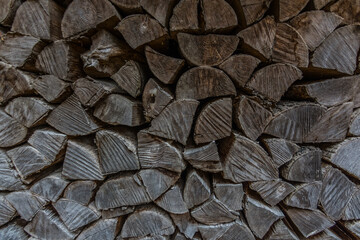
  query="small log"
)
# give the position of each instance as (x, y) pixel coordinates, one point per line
(354, 127)
(309, 222)
(204, 82)
(61, 59)
(352, 211)
(348, 9)
(104, 229)
(240, 67)
(289, 9)
(178, 113)
(13, 230)
(231, 194)
(214, 121)
(305, 166)
(319, 4)
(305, 196)
(197, 189)
(195, 48)
(117, 151)
(131, 77)
(239, 230)
(8, 11)
(73, 214)
(244, 160)
(260, 216)
(251, 117)
(339, 51)
(11, 131)
(128, 6)
(155, 98)
(159, 9)
(224, 19)
(80, 191)
(125, 190)
(81, 162)
(254, 11)
(164, 67)
(280, 231)
(25, 203)
(185, 17)
(290, 47)
(172, 201)
(9, 177)
(71, 118)
(157, 182)
(205, 158)
(83, 16)
(7, 211)
(117, 109)
(51, 88)
(315, 26)
(259, 38)
(212, 232)
(28, 111)
(272, 192)
(141, 29)
(212, 211)
(150, 221)
(186, 224)
(33, 18)
(155, 152)
(281, 150)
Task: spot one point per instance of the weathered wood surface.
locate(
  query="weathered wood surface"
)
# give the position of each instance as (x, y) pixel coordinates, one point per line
(289, 9)
(197, 189)
(11, 132)
(305, 196)
(229, 193)
(8, 11)
(185, 16)
(80, 191)
(348, 9)
(254, 10)
(222, 20)
(51, 88)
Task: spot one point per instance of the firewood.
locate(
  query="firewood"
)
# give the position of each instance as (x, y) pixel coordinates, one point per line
(8, 11)
(150, 221)
(205, 158)
(164, 67)
(195, 48)
(348, 9)
(231, 194)
(318, 4)
(34, 18)
(224, 19)
(212, 232)
(204, 82)
(179, 236)
(315, 26)
(154, 152)
(353, 227)
(197, 188)
(212, 211)
(155, 98)
(186, 224)
(289, 9)
(51, 88)
(117, 212)
(13, 230)
(354, 126)
(251, 117)
(351, 211)
(244, 160)
(9, 178)
(61, 59)
(281, 150)
(117, 109)
(131, 77)
(105, 229)
(80, 191)
(214, 121)
(141, 29)
(240, 67)
(81, 162)
(239, 230)
(83, 16)
(272, 192)
(125, 190)
(254, 11)
(159, 9)
(305, 166)
(128, 6)
(305, 196)
(309, 222)
(185, 17)
(11, 131)
(338, 50)
(7, 211)
(157, 182)
(172, 201)
(177, 113)
(260, 216)
(326, 234)
(259, 38)
(26, 48)
(281, 231)
(28, 111)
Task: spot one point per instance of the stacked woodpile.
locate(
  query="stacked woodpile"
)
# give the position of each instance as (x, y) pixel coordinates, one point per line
(179, 119)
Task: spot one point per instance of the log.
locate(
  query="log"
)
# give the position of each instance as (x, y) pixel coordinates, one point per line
(212, 232)
(80, 191)
(11, 131)
(305, 196)
(74, 119)
(260, 216)
(83, 16)
(231, 194)
(9, 180)
(224, 19)
(159, 9)
(353, 227)
(8, 11)
(328, 234)
(254, 10)
(348, 9)
(177, 113)
(33, 18)
(13, 230)
(141, 29)
(197, 189)
(351, 211)
(118, 109)
(164, 67)
(281, 231)
(51, 88)
(195, 48)
(214, 121)
(280, 150)
(186, 224)
(354, 126)
(172, 201)
(315, 26)
(128, 6)
(7, 211)
(239, 230)
(117, 212)
(204, 82)
(61, 59)
(205, 158)
(319, 4)
(185, 17)
(244, 160)
(288, 10)
(81, 162)
(105, 229)
(340, 51)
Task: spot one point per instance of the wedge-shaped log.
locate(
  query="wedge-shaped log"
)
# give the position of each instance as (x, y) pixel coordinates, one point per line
(186, 224)
(185, 17)
(9, 177)
(195, 48)
(354, 127)
(11, 131)
(224, 19)
(159, 9)
(80, 191)
(353, 227)
(231, 194)
(197, 188)
(254, 11)
(281, 231)
(8, 11)
(352, 211)
(230, 231)
(50, 187)
(348, 9)
(172, 201)
(289, 9)
(305, 196)
(117, 212)
(13, 230)
(211, 232)
(7, 211)
(51, 88)
(105, 229)
(281, 150)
